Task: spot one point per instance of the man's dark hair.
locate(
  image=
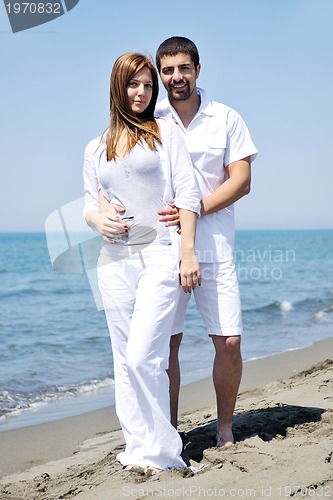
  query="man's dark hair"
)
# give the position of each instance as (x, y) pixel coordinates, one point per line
(177, 45)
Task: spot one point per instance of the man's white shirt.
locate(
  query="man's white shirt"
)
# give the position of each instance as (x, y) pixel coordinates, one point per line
(216, 137)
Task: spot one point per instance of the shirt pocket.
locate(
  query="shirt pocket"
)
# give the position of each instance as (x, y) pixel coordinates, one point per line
(214, 154)
(216, 142)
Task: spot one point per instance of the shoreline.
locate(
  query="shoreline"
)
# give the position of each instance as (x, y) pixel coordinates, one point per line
(35, 445)
(102, 399)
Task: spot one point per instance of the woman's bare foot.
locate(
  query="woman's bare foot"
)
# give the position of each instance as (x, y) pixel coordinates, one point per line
(132, 467)
(225, 438)
(152, 471)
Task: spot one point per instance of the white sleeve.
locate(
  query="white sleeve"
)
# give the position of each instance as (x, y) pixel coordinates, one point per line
(239, 142)
(91, 183)
(186, 194)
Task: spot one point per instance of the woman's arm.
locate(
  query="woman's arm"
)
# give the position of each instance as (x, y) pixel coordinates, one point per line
(98, 220)
(187, 201)
(189, 266)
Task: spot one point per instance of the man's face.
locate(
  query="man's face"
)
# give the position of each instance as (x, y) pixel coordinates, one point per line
(179, 76)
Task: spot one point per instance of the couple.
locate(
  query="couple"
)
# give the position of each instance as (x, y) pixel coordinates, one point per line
(142, 179)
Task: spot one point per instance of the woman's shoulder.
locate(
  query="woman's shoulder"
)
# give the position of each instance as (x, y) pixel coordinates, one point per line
(160, 120)
(98, 142)
(166, 124)
(170, 132)
(166, 120)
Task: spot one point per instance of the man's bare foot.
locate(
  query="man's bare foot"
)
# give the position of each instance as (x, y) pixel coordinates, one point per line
(225, 438)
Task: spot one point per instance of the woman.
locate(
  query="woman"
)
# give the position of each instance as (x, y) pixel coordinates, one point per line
(140, 163)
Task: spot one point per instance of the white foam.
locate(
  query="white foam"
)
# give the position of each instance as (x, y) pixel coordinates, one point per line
(286, 306)
(17, 406)
(325, 315)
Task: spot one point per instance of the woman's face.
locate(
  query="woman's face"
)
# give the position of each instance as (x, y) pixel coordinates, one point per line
(140, 90)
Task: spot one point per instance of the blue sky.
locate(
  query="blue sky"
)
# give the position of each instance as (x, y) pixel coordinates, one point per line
(271, 60)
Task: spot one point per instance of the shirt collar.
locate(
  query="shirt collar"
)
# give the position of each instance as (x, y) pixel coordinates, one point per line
(205, 105)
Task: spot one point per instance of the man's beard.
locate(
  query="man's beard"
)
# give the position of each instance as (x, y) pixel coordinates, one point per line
(179, 96)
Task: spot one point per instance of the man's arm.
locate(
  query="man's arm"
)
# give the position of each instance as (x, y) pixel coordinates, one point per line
(235, 187)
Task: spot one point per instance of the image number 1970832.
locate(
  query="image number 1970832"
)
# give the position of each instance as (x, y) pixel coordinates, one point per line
(26, 15)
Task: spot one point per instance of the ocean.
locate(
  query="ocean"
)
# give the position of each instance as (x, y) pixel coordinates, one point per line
(55, 352)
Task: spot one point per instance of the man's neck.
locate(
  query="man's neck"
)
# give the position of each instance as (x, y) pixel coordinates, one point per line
(188, 108)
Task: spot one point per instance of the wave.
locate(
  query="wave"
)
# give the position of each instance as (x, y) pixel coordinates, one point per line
(19, 292)
(45, 287)
(321, 310)
(286, 306)
(12, 404)
(278, 305)
(324, 315)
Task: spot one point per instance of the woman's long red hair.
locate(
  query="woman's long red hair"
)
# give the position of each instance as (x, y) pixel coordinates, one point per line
(137, 127)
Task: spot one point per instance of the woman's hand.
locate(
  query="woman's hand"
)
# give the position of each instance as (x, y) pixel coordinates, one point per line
(107, 221)
(189, 275)
(108, 225)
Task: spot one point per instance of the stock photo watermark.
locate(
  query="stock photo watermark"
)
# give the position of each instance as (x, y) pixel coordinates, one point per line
(26, 15)
(266, 264)
(75, 248)
(195, 491)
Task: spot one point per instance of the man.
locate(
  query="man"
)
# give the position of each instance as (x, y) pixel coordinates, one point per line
(221, 151)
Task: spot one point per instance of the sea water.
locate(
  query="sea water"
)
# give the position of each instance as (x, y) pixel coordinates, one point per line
(55, 351)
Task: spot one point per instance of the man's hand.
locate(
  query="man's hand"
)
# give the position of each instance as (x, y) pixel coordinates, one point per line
(170, 215)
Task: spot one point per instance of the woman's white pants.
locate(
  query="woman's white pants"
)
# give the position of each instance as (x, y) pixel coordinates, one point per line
(140, 290)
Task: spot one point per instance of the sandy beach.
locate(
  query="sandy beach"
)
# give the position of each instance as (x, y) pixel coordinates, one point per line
(283, 427)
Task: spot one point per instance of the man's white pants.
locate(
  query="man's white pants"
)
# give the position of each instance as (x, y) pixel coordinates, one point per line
(140, 291)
